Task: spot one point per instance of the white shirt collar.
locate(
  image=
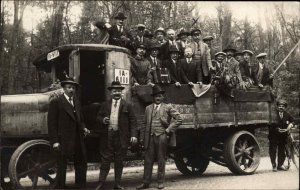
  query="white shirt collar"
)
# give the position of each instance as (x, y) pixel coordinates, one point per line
(157, 105)
(261, 65)
(67, 97)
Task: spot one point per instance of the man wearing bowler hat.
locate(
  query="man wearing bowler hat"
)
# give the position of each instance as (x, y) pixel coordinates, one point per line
(173, 67)
(66, 133)
(118, 34)
(159, 132)
(278, 135)
(118, 127)
(155, 62)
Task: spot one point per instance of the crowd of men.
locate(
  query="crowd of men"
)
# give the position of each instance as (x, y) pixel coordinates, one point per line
(161, 58)
(185, 58)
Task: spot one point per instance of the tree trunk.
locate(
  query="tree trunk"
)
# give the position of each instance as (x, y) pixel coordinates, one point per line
(57, 22)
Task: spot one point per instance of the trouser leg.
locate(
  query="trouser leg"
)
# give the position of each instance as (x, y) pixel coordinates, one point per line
(281, 154)
(120, 154)
(80, 165)
(107, 155)
(61, 171)
(161, 157)
(149, 160)
(272, 152)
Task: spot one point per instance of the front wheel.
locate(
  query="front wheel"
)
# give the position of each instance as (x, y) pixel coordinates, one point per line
(191, 165)
(33, 166)
(242, 153)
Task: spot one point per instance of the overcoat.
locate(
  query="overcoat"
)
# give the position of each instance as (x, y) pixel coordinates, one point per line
(64, 124)
(127, 123)
(167, 112)
(174, 70)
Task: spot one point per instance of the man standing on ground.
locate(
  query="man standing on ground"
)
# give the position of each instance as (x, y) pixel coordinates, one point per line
(66, 133)
(118, 123)
(159, 130)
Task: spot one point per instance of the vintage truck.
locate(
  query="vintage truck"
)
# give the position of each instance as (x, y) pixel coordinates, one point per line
(216, 127)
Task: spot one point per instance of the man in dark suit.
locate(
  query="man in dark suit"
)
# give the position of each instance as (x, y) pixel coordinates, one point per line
(118, 127)
(66, 133)
(182, 41)
(188, 69)
(262, 73)
(278, 135)
(165, 48)
(155, 62)
(201, 54)
(159, 130)
(118, 34)
(246, 68)
(173, 66)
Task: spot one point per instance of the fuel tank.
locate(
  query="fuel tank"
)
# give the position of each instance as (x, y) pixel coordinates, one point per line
(24, 115)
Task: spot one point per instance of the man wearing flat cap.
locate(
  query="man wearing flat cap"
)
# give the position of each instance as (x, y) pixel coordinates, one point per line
(66, 133)
(141, 67)
(118, 34)
(218, 65)
(201, 54)
(208, 40)
(262, 73)
(246, 68)
(140, 38)
(118, 125)
(159, 35)
(159, 132)
(232, 74)
(238, 56)
(278, 135)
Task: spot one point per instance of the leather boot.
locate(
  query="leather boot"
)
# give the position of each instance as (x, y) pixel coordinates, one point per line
(102, 177)
(118, 176)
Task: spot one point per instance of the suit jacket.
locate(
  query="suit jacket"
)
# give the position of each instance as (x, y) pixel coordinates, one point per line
(281, 124)
(141, 70)
(205, 60)
(188, 71)
(65, 125)
(115, 36)
(246, 70)
(174, 70)
(167, 112)
(127, 123)
(266, 80)
(155, 70)
(165, 50)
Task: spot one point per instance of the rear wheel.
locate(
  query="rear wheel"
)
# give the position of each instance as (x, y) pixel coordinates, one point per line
(191, 165)
(33, 166)
(242, 153)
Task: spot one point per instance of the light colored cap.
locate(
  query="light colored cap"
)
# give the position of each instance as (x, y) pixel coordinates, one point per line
(220, 53)
(140, 26)
(247, 51)
(261, 55)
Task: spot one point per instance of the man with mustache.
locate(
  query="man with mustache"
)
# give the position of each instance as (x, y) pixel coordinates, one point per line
(118, 127)
(66, 132)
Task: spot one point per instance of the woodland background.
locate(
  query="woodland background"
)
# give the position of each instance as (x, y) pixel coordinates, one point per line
(20, 47)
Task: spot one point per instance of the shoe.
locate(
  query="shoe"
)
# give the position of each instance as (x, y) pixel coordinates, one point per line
(281, 168)
(274, 169)
(143, 186)
(100, 185)
(118, 187)
(161, 186)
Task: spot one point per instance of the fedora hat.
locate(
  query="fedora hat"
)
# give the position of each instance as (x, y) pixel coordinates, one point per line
(115, 85)
(173, 49)
(120, 16)
(157, 90)
(68, 81)
(154, 45)
(183, 32)
(229, 48)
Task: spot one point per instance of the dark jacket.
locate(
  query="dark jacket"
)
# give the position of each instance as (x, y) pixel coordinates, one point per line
(115, 36)
(266, 80)
(246, 70)
(188, 72)
(174, 70)
(127, 123)
(155, 70)
(164, 52)
(281, 124)
(65, 125)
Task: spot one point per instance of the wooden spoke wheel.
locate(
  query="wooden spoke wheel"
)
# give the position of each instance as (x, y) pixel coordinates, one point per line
(33, 166)
(191, 165)
(242, 153)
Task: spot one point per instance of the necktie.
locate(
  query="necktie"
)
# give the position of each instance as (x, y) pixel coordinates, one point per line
(71, 102)
(281, 115)
(156, 107)
(115, 104)
(155, 61)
